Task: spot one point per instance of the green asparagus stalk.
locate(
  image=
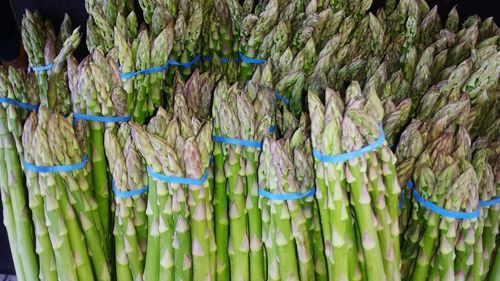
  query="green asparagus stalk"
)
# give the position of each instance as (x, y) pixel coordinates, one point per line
(276, 182)
(125, 164)
(7, 206)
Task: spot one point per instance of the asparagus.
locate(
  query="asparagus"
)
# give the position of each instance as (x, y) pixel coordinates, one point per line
(62, 225)
(81, 200)
(125, 164)
(34, 42)
(7, 207)
(36, 203)
(238, 244)
(220, 199)
(275, 182)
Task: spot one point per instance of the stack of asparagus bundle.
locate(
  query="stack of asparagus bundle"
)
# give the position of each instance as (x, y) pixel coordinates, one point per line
(20, 91)
(69, 234)
(357, 192)
(291, 227)
(129, 183)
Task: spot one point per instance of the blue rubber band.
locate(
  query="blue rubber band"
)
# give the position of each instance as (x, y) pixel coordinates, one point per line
(127, 75)
(103, 119)
(353, 154)
(56, 169)
(130, 193)
(243, 58)
(187, 64)
(240, 142)
(178, 180)
(281, 98)
(207, 58)
(272, 129)
(20, 104)
(41, 67)
(438, 210)
(491, 202)
(286, 196)
(401, 200)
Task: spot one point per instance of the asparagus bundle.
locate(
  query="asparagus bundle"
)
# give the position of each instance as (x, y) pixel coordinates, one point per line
(15, 205)
(145, 92)
(93, 94)
(130, 228)
(487, 191)
(65, 201)
(245, 115)
(181, 241)
(358, 198)
(292, 234)
(45, 47)
(491, 223)
(103, 16)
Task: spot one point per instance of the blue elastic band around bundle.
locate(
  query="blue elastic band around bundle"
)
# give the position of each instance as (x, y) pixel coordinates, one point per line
(127, 75)
(41, 67)
(438, 210)
(187, 64)
(353, 154)
(281, 98)
(240, 142)
(104, 119)
(491, 202)
(401, 200)
(56, 169)
(177, 180)
(286, 196)
(130, 193)
(243, 58)
(19, 104)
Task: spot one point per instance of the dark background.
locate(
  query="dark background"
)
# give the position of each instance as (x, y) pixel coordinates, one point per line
(55, 9)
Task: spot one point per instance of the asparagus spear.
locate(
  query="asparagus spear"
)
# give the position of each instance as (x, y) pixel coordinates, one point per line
(279, 210)
(7, 207)
(220, 201)
(61, 218)
(124, 162)
(68, 152)
(34, 42)
(36, 203)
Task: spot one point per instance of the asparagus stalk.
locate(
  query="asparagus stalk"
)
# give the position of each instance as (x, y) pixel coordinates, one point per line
(220, 201)
(8, 213)
(125, 164)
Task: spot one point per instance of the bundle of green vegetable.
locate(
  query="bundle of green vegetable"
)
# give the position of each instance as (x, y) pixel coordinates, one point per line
(15, 202)
(246, 115)
(291, 227)
(64, 202)
(129, 185)
(357, 193)
(140, 50)
(47, 53)
(181, 240)
(96, 91)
